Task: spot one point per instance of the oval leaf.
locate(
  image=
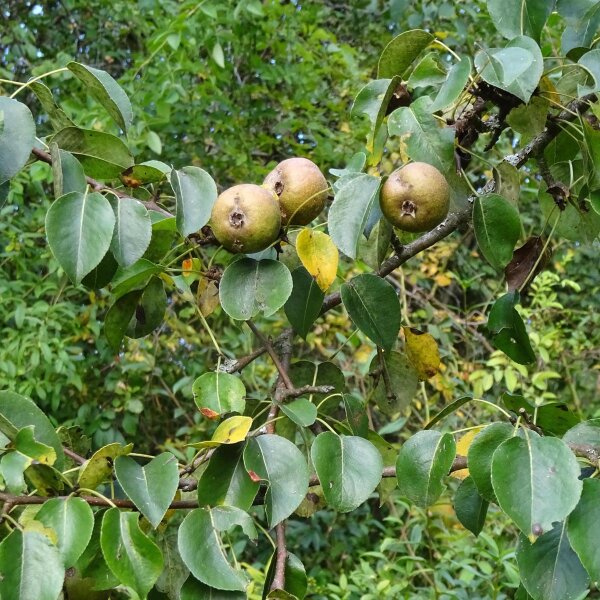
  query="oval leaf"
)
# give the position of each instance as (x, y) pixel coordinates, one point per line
(303, 307)
(423, 463)
(219, 393)
(281, 464)
(536, 481)
(130, 554)
(79, 228)
(349, 469)
(251, 286)
(318, 255)
(422, 351)
(230, 431)
(132, 232)
(470, 507)
(73, 521)
(399, 54)
(455, 82)
(151, 487)
(17, 137)
(374, 308)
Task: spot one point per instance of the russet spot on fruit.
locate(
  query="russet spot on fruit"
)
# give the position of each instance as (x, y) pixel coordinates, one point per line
(246, 218)
(415, 197)
(301, 188)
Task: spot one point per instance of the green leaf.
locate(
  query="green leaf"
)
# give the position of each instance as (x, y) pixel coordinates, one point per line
(470, 507)
(497, 228)
(17, 137)
(404, 382)
(249, 287)
(553, 418)
(102, 155)
(575, 223)
(421, 136)
(218, 393)
(447, 410)
(590, 61)
(580, 30)
(350, 210)
(151, 487)
(301, 411)
(529, 119)
(456, 80)
(349, 469)
(207, 560)
(152, 171)
(118, 318)
(218, 56)
(423, 463)
(296, 581)
(101, 86)
(356, 415)
(73, 521)
(303, 307)
(281, 464)
(57, 115)
(130, 554)
(134, 277)
(400, 53)
(99, 467)
(536, 481)
(195, 590)
(587, 432)
(584, 528)
(374, 308)
(79, 228)
(591, 154)
(520, 17)
(549, 568)
(30, 567)
(17, 412)
(508, 330)
(226, 481)
(428, 72)
(195, 193)
(480, 456)
(373, 101)
(67, 172)
(305, 372)
(150, 311)
(132, 231)
(174, 572)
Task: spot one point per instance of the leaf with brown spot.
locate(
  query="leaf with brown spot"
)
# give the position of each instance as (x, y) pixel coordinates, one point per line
(422, 351)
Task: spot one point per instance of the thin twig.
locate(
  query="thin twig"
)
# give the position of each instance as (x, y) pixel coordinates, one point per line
(280, 558)
(278, 364)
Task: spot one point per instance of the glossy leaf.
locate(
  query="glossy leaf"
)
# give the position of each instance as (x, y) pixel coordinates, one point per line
(372, 101)
(79, 227)
(17, 137)
(584, 528)
(129, 553)
(508, 330)
(502, 66)
(427, 72)
(230, 431)
(296, 581)
(420, 135)
(207, 560)
(195, 590)
(17, 412)
(219, 393)
(318, 255)
(301, 411)
(497, 228)
(105, 90)
(119, 317)
(102, 155)
(400, 53)
(470, 507)
(249, 287)
(423, 463)
(67, 172)
(134, 277)
(281, 464)
(349, 469)
(374, 249)
(480, 456)
(30, 567)
(226, 481)
(536, 481)
(456, 80)
(580, 30)
(374, 308)
(73, 521)
(132, 231)
(404, 382)
(151, 487)
(195, 193)
(350, 210)
(520, 17)
(549, 568)
(303, 307)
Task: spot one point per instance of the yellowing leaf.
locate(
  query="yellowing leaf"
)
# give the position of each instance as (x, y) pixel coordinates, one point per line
(422, 351)
(462, 449)
(318, 255)
(208, 296)
(230, 431)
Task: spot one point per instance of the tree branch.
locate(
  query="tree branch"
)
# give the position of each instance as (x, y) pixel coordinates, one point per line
(280, 558)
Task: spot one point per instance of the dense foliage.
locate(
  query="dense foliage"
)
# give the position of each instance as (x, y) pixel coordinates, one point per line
(191, 398)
